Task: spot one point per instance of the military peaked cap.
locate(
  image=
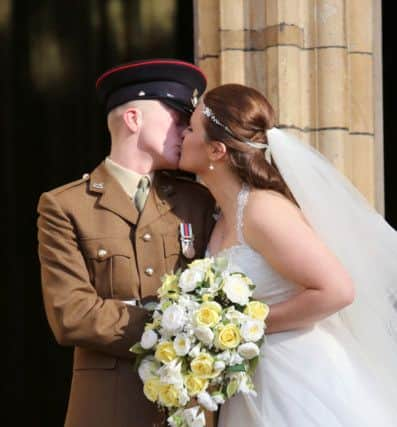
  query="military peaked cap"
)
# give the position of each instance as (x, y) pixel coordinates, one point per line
(174, 82)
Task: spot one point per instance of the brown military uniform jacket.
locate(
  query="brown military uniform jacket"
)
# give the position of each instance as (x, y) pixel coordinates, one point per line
(95, 251)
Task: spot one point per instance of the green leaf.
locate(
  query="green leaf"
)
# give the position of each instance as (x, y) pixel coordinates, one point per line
(138, 349)
(252, 365)
(231, 388)
(137, 362)
(165, 305)
(236, 368)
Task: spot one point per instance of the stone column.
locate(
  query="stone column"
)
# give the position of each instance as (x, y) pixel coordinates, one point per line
(313, 59)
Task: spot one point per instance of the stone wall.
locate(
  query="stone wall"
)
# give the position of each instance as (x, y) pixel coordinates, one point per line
(314, 61)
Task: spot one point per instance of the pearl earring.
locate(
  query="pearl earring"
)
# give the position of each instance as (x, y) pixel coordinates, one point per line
(211, 167)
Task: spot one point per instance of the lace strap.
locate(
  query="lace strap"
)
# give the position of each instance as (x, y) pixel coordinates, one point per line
(242, 198)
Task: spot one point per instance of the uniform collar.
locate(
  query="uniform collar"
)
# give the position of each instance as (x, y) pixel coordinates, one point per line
(127, 178)
(111, 194)
(113, 197)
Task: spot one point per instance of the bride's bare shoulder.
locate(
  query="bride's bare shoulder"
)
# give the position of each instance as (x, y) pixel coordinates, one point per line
(273, 221)
(270, 205)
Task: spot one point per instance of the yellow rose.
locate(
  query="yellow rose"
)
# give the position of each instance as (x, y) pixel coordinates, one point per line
(165, 352)
(202, 365)
(257, 310)
(168, 395)
(195, 385)
(207, 315)
(227, 337)
(151, 388)
(153, 325)
(213, 305)
(169, 285)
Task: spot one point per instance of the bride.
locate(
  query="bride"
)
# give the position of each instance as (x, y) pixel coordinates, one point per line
(320, 256)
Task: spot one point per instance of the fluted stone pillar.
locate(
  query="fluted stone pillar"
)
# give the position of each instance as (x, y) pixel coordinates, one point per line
(314, 60)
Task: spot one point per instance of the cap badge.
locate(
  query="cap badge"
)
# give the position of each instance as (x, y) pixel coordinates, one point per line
(194, 99)
(187, 239)
(142, 93)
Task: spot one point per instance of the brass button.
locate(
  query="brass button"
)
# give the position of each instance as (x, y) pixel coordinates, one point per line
(149, 271)
(86, 176)
(102, 253)
(146, 237)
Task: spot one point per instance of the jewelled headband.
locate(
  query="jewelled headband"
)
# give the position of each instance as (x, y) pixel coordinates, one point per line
(259, 145)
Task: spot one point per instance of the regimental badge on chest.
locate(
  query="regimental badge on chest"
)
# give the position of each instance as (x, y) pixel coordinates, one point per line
(187, 240)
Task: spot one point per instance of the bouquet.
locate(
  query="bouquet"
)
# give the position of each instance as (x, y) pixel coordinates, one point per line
(203, 342)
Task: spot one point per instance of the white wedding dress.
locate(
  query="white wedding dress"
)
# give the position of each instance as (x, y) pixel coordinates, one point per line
(304, 378)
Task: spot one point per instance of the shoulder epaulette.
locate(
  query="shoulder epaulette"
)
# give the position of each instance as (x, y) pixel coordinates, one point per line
(72, 184)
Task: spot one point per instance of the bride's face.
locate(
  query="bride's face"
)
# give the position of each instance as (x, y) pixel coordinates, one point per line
(195, 148)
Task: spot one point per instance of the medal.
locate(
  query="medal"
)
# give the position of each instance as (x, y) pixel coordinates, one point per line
(187, 239)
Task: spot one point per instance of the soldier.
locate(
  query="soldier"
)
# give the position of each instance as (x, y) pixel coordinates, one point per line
(106, 239)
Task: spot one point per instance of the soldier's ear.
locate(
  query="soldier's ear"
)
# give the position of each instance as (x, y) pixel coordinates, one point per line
(133, 119)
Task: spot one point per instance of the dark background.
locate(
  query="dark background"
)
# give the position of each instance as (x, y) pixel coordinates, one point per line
(52, 131)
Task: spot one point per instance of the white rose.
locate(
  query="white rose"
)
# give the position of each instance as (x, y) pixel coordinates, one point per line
(205, 335)
(235, 359)
(235, 316)
(174, 419)
(248, 350)
(182, 344)
(224, 356)
(184, 397)
(195, 351)
(245, 385)
(148, 368)
(219, 365)
(190, 414)
(166, 334)
(149, 339)
(236, 289)
(252, 330)
(190, 278)
(193, 417)
(174, 318)
(199, 421)
(171, 373)
(218, 398)
(205, 400)
(156, 315)
(188, 303)
(202, 265)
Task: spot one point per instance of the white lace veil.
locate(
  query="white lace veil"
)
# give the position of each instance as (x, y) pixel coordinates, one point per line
(364, 243)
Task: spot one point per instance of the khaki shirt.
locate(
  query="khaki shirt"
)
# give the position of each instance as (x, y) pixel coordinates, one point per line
(127, 178)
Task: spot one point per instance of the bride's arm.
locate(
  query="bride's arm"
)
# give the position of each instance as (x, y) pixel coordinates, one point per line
(277, 229)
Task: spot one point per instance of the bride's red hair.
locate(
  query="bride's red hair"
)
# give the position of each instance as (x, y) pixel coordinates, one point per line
(248, 114)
